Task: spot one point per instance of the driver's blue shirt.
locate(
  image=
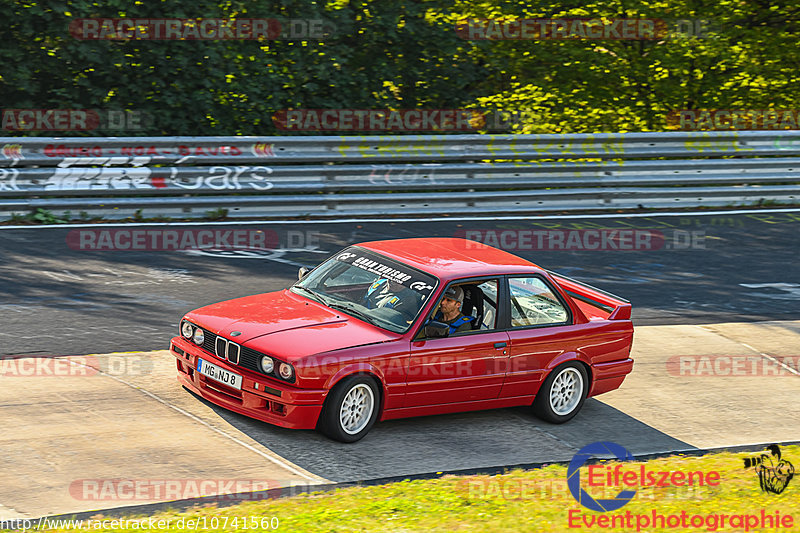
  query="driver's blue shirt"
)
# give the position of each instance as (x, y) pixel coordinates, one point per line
(460, 323)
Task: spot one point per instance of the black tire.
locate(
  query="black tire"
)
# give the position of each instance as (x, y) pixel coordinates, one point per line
(562, 394)
(353, 391)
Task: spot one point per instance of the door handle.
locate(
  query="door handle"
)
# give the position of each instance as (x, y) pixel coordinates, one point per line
(500, 345)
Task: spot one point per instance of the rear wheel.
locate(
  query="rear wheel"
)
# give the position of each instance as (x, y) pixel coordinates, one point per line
(351, 409)
(562, 394)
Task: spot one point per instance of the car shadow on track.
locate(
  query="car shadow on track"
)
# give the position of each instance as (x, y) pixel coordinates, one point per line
(463, 441)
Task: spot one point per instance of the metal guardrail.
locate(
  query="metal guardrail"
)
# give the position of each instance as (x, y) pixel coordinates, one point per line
(328, 176)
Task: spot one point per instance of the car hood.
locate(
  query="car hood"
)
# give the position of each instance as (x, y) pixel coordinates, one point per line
(286, 325)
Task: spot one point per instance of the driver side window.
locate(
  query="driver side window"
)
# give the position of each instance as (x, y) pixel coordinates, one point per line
(534, 304)
(479, 306)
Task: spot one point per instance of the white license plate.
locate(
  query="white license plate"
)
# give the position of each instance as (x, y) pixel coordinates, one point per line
(219, 374)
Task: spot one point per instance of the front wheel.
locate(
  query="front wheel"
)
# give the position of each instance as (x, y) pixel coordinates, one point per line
(562, 394)
(351, 409)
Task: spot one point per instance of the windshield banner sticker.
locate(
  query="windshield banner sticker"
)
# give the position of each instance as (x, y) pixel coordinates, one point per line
(393, 271)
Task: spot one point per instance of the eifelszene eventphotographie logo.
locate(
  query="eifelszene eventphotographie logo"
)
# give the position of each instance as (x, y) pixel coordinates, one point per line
(574, 476)
(606, 479)
(596, 486)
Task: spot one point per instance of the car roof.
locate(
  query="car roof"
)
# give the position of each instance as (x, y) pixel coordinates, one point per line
(451, 258)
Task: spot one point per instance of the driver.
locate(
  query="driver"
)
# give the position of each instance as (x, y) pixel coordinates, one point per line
(450, 311)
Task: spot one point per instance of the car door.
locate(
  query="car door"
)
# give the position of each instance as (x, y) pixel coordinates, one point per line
(463, 367)
(539, 330)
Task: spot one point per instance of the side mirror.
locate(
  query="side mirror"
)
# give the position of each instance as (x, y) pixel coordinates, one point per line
(434, 329)
(302, 272)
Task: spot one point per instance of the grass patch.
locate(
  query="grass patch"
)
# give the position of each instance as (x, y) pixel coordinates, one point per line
(535, 500)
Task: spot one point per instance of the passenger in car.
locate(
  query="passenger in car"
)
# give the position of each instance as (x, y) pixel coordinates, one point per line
(392, 295)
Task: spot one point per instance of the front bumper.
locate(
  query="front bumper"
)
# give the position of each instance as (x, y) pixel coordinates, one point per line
(261, 397)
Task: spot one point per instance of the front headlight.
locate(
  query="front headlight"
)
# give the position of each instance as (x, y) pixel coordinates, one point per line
(267, 364)
(285, 371)
(198, 337)
(187, 330)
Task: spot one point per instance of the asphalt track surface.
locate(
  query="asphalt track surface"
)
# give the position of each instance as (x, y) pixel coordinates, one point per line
(58, 300)
(711, 270)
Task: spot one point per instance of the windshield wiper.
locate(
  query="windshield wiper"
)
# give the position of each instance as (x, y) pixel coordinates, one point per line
(317, 296)
(360, 314)
(335, 305)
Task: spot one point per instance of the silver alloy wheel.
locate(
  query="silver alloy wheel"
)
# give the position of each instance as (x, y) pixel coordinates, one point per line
(356, 410)
(566, 391)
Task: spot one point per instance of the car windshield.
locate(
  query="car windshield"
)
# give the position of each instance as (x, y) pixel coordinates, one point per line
(369, 286)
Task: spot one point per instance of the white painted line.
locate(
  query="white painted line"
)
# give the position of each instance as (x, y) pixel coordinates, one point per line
(773, 359)
(762, 354)
(429, 219)
(7, 513)
(273, 458)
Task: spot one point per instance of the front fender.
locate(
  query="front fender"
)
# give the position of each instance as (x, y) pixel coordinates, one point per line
(362, 367)
(387, 362)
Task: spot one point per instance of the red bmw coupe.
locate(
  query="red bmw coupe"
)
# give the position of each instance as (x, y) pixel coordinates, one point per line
(401, 328)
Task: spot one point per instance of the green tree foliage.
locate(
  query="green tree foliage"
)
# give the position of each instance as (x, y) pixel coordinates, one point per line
(727, 55)
(402, 55)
